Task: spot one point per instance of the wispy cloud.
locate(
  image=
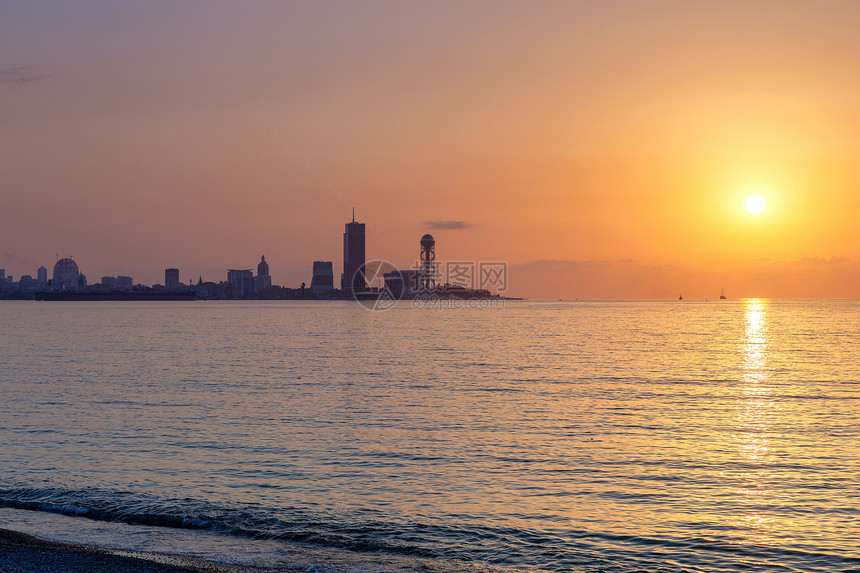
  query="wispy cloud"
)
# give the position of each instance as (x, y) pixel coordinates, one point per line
(448, 225)
(19, 75)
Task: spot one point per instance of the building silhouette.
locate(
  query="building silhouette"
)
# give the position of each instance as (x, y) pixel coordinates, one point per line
(323, 278)
(427, 256)
(27, 284)
(402, 283)
(241, 282)
(67, 276)
(171, 279)
(42, 277)
(353, 279)
(119, 283)
(263, 280)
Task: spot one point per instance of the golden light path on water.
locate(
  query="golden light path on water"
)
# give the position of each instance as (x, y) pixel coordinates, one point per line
(756, 416)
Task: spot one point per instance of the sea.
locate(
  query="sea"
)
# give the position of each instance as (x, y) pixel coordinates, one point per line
(583, 436)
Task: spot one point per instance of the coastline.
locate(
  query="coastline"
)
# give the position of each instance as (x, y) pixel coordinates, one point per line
(24, 552)
(45, 541)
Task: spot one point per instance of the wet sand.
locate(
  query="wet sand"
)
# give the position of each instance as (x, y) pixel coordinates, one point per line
(20, 552)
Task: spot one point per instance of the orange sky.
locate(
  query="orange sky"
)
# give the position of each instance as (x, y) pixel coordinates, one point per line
(138, 137)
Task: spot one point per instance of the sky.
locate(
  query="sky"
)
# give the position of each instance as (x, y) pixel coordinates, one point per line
(599, 149)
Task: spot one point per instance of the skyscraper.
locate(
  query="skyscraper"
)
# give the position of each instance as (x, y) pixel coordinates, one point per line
(353, 258)
(171, 279)
(42, 274)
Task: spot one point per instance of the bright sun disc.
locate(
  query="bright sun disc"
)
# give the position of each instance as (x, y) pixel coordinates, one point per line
(755, 204)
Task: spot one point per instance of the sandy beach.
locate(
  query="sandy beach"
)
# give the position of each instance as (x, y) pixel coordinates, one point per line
(20, 552)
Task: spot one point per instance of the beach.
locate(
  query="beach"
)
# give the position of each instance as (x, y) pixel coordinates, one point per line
(52, 542)
(21, 553)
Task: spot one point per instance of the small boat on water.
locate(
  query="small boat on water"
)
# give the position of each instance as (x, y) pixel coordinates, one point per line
(680, 297)
(722, 294)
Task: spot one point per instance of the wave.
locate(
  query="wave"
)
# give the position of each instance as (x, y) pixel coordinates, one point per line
(186, 513)
(570, 550)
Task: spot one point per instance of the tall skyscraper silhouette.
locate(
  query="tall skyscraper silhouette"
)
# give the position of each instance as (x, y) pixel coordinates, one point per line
(353, 258)
(171, 279)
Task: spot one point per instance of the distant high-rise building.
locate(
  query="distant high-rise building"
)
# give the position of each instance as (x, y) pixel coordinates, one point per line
(66, 275)
(124, 282)
(353, 258)
(171, 279)
(42, 277)
(241, 282)
(323, 277)
(262, 281)
(109, 282)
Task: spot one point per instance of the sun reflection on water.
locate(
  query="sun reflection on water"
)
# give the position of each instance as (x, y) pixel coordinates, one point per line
(755, 419)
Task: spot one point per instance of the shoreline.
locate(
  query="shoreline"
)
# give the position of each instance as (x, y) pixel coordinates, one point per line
(36, 541)
(23, 552)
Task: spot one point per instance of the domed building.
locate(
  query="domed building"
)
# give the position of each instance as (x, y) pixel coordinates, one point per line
(66, 275)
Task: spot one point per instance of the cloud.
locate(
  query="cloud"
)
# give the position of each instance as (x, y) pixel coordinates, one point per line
(448, 225)
(818, 261)
(19, 76)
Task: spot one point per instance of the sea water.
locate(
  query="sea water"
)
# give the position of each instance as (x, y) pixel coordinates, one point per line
(538, 436)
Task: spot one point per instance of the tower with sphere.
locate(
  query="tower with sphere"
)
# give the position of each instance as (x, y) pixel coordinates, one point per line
(427, 257)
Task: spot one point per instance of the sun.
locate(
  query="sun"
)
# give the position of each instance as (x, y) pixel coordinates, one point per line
(755, 204)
